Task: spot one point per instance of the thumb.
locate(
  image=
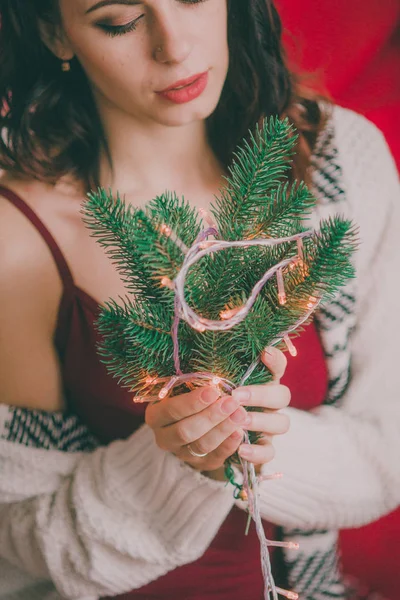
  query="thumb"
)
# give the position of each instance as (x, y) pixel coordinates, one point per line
(276, 362)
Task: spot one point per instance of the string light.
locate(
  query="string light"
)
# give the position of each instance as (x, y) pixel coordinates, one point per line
(287, 594)
(166, 282)
(139, 400)
(288, 545)
(216, 380)
(206, 244)
(290, 346)
(207, 217)
(261, 478)
(243, 495)
(230, 312)
(228, 319)
(165, 229)
(281, 287)
(312, 302)
(300, 249)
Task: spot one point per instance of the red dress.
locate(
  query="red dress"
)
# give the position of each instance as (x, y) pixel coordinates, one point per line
(230, 568)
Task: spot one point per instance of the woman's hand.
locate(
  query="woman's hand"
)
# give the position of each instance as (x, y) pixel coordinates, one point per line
(214, 424)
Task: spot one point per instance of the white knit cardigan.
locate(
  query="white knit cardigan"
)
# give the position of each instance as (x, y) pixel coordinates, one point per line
(81, 525)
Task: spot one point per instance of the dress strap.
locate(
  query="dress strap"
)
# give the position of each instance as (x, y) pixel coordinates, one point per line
(20, 204)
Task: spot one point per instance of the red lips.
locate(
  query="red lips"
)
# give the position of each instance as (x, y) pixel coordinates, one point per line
(182, 82)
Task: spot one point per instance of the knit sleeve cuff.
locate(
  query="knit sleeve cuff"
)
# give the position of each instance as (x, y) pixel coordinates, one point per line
(184, 508)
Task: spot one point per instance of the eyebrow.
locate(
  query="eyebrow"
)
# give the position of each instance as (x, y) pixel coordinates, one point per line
(109, 2)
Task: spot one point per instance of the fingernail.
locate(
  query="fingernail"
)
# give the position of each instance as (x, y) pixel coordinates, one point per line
(229, 405)
(241, 395)
(209, 395)
(245, 451)
(269, 350)
(240, 417)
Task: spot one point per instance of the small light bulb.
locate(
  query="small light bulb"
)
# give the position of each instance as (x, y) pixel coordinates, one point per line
(138, 400)
(243, 496)
(216, 380)
(282, 299)
(287, 594)
(229, 313)
(165, 229)
(293, 546)
(311, 302)
(207, 217)
(199, 327)
(281, 287)
(290, 346)
(290, 545)
(261, 478)
(300, 251)
(163, 393)
(166, 282)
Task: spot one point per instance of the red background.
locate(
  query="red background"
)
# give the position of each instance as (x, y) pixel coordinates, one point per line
(352, 49)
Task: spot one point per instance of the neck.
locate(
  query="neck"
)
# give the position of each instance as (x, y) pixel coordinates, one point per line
(149, 158)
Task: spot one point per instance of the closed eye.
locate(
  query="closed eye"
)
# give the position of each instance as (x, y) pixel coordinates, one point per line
(114, 30)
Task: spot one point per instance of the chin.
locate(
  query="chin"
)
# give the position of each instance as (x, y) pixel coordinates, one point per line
(200, 109)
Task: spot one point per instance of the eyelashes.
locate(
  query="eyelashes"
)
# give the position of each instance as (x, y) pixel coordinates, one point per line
(115, 30)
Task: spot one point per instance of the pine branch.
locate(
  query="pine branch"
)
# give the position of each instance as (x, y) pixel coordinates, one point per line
(257, 203)
(258, 167)
(112, 222)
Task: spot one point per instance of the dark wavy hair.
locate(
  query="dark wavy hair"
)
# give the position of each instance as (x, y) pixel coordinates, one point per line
(49, 124)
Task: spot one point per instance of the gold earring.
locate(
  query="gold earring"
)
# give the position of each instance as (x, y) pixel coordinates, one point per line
(65, 66)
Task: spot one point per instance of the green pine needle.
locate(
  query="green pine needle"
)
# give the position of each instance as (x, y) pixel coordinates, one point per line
(257, 202)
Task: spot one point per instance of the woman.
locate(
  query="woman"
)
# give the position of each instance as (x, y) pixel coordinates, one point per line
(94, 501)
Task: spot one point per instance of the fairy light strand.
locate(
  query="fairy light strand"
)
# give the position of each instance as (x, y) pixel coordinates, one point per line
(196, 253)
(229, 318)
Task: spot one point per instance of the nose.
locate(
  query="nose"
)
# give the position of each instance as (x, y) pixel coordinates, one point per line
(172, 39)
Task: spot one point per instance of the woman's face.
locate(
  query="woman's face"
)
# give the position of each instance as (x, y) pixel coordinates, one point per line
(116, 42)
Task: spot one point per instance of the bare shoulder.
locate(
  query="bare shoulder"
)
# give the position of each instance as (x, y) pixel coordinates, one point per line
(30, 291)
(26, 259)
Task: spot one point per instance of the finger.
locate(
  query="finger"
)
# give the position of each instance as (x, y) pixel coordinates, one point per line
(228, 447)
(195, 427)
(171, 410)
(269, 395)
(276, 362)
(215, 459)
(216, 436)
(274, 423)
(258, 454)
